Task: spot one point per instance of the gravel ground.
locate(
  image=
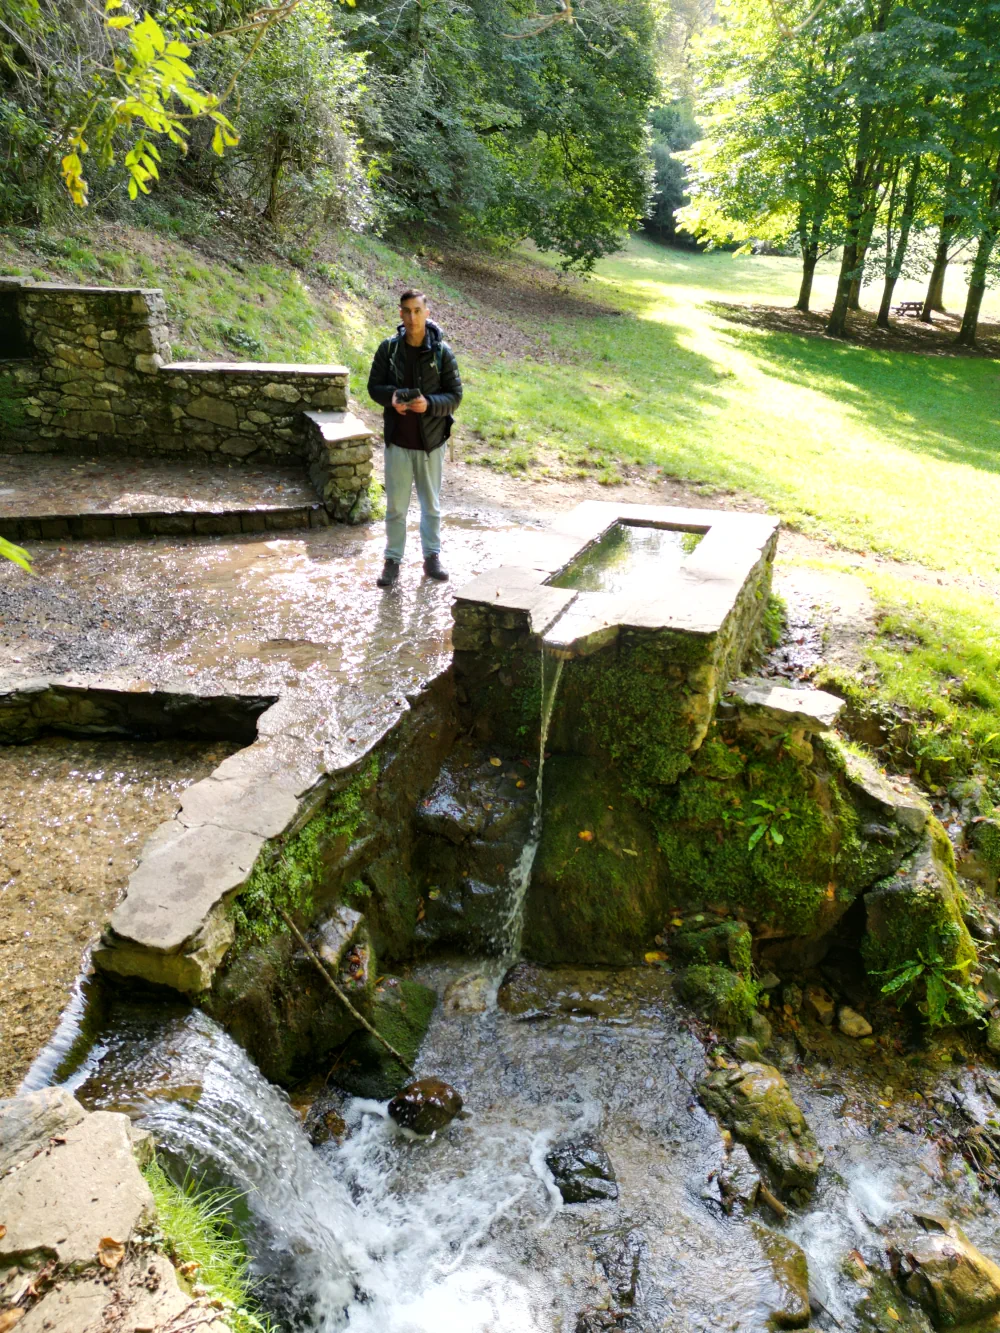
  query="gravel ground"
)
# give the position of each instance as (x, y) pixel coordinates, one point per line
(73, 817)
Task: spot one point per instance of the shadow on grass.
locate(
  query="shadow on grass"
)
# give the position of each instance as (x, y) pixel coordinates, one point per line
(944, 408)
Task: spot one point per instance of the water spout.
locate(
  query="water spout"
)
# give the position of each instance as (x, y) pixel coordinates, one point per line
(512, 925)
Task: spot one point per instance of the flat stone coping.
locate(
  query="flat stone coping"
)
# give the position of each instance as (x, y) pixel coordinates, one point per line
(11, 282)
(249, 368)
(696, 598)
(336, 427)
(812, 710)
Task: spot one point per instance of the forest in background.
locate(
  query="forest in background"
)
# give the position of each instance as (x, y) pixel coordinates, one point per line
(867, 130)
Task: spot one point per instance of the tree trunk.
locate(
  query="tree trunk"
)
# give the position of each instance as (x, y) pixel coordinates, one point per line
(977, 290)
(895, 267)
(980, 268)
(934, 300)
(857, 225)
(810, 257)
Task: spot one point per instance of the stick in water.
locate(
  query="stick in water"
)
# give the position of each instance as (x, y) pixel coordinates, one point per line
(340, 994)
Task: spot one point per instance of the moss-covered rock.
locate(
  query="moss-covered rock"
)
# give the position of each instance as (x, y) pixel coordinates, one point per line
(755, 1102)
(595, 895)
(726, 942)
(789, 1298)
(727, 999)
(402, 1014)
(918, 912)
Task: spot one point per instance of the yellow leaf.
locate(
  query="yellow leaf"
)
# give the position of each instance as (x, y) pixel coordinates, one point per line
(676, 922)
(133, 189)
(892, 1313)
(110, 1252)
(520, 783)
(654, 957)
(113, 4)
(219, 148)
(585, 835)
(495, 762)
(8, 1318)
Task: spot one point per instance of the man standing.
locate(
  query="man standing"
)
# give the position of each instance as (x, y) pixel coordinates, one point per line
(415, 378)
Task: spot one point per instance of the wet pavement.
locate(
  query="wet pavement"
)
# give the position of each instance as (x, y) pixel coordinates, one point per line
(290, 615)
(49, 484)
(73, 817)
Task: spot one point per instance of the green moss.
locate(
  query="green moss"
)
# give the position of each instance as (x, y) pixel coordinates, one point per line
(289, 873)
(634, 705)
(403, 1011)
(727, 942)
(773, 621)
(195, 1228)
(704, 833)
(725, 998)
(11, 407)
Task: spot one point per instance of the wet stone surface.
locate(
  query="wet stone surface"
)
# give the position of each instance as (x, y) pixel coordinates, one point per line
(73, 817)
(43, 484)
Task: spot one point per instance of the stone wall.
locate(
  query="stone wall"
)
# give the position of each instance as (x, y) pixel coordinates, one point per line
(89, 368)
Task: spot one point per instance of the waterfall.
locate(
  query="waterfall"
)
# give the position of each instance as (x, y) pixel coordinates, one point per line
(520, 877)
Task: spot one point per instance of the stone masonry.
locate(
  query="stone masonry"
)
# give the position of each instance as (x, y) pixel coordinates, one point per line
(89, 368)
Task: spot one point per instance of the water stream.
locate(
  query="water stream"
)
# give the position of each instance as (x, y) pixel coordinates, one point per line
(512, 924)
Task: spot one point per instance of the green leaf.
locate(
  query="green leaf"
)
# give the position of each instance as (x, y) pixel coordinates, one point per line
(16, 553)
(756, 836)
(937, 999)
(776, 837)
(905, 977)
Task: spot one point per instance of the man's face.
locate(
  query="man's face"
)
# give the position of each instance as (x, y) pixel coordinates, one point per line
(413, 314)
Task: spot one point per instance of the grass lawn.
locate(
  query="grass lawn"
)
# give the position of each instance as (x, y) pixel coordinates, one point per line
(893, 452)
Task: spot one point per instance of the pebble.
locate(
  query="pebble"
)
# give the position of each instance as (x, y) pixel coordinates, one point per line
(852, 1024)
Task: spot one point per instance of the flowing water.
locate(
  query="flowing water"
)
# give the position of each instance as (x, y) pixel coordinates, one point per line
(520, 878)
(466, 1233)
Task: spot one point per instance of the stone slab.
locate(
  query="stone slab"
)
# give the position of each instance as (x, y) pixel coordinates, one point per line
(73, 1194)
(172, 892)
(29, 1121)
(249, 368)
(812, 710)
(338, 427)
(519, 589)
(336, 934)
(262, 808)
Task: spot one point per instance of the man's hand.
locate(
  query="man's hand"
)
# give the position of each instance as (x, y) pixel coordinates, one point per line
(400, 407)
(418, 404)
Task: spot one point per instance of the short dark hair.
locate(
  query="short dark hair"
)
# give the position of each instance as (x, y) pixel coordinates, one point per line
(411, 294)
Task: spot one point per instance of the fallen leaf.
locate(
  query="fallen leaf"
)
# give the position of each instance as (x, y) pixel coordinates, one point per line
(585, 835)
(496, 762)
(892, 1313)
(676, 921)
(630, 851)
(8, 1318)
(3, 1232)
(654, 957)
(110, 1252)
(520, 783)
(191, 1267)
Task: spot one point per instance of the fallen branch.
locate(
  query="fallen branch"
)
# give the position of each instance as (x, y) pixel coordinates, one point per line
(775, 1204)
(340, 994)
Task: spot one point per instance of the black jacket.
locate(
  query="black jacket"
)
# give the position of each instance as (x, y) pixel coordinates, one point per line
(437, 379)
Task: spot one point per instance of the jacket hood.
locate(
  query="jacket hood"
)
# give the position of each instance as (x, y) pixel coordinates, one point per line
(432, 334)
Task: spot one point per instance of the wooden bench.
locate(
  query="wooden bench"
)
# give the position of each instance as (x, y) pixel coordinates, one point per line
(914, 308)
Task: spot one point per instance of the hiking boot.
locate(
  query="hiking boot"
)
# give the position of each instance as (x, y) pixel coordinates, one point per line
(389, 575)
(433, 570)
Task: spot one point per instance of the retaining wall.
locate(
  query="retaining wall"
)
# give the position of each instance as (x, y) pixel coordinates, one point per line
(89, 368)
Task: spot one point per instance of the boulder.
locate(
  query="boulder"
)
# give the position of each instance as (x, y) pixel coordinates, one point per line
(739, 1181)
(917, 911)
(582, 1170)
(754, 1101)
(524, 992)
(726, 999)
(938, 1266)
(426, 1106)
(788, 1278)
(726, 942)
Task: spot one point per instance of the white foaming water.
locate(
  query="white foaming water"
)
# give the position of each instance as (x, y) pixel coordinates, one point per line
(382, 1235)
(520, 877)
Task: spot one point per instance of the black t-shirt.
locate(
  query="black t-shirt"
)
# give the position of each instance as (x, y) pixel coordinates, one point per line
(407, 434)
